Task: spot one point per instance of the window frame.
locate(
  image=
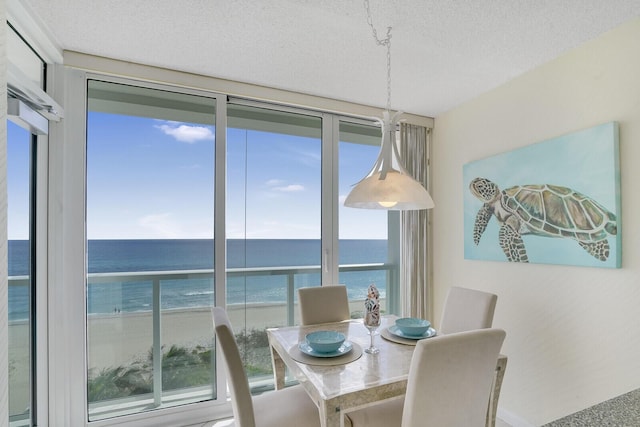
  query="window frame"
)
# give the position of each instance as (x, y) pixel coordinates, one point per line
(32, 55)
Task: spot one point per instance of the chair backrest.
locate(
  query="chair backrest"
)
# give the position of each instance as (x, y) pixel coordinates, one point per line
(450, 379)
(467, 309)
(323, 304)
(241, 400)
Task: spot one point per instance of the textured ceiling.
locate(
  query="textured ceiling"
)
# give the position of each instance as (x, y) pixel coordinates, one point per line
(443, 52)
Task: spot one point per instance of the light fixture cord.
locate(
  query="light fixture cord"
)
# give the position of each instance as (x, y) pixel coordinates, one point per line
(382, 42)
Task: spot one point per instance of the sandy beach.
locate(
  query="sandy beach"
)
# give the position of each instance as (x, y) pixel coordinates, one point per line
(119, 339)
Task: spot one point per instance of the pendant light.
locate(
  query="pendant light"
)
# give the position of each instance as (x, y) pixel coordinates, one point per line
(388, 185)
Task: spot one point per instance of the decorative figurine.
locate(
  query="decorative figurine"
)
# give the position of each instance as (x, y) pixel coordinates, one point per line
(372, 315)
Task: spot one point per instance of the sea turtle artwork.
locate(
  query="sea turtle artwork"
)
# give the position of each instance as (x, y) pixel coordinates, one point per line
(542, 210)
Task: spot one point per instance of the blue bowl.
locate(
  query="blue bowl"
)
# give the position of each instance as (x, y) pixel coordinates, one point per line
(325, 341)
(413, 326)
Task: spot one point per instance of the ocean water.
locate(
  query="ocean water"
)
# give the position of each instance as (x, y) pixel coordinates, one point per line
(120, 256)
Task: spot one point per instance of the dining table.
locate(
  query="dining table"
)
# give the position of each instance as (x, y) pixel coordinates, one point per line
(355, 379)
(349, 381)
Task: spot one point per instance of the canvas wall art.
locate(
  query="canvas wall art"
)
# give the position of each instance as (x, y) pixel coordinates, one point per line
(553, 202)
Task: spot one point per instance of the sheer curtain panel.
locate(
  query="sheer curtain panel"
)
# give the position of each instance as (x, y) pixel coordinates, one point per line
(415, 272)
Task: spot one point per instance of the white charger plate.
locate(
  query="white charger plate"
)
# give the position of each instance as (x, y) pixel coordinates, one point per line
(345, 348)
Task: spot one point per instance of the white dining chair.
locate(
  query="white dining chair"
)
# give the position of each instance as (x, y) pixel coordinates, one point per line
(323, 304)
(466, 309)
(449, 384)
(290, 407)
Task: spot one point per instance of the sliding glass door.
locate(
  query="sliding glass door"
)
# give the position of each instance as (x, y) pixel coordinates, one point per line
(274, 195)
(150, 249)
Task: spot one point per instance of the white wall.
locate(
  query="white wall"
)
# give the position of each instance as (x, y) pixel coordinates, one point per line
(573, 336)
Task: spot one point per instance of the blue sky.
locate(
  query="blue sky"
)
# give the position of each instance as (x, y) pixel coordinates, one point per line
(17, 182)
(151, 178)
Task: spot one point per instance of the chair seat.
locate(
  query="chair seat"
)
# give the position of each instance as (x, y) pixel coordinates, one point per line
(384, 414)
(300, 409)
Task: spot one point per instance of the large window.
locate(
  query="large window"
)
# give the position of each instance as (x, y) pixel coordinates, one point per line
(165, 168)
(146, 205)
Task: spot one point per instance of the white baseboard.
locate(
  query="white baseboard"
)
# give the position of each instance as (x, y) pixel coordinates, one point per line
(512, 419)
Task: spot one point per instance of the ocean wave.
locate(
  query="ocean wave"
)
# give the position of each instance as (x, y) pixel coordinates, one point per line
(198, 293)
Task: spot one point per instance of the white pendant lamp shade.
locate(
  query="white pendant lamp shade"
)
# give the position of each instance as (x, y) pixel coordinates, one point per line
(388, 185)
(396, 192)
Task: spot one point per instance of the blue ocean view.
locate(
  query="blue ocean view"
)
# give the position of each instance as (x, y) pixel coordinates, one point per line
(134, 256)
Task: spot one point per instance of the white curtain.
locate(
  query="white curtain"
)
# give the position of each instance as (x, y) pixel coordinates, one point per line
(415, 270)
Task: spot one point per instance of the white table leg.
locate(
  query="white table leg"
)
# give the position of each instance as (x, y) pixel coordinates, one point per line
(279, 368)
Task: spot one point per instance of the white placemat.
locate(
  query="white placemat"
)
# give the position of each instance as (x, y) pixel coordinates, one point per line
(299, 356)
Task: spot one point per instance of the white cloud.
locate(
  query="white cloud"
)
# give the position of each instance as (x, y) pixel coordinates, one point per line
(291, 188)
(279, 185)
(186, 133)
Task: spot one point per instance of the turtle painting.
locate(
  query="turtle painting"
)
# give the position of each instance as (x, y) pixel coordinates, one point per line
(542, 210)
